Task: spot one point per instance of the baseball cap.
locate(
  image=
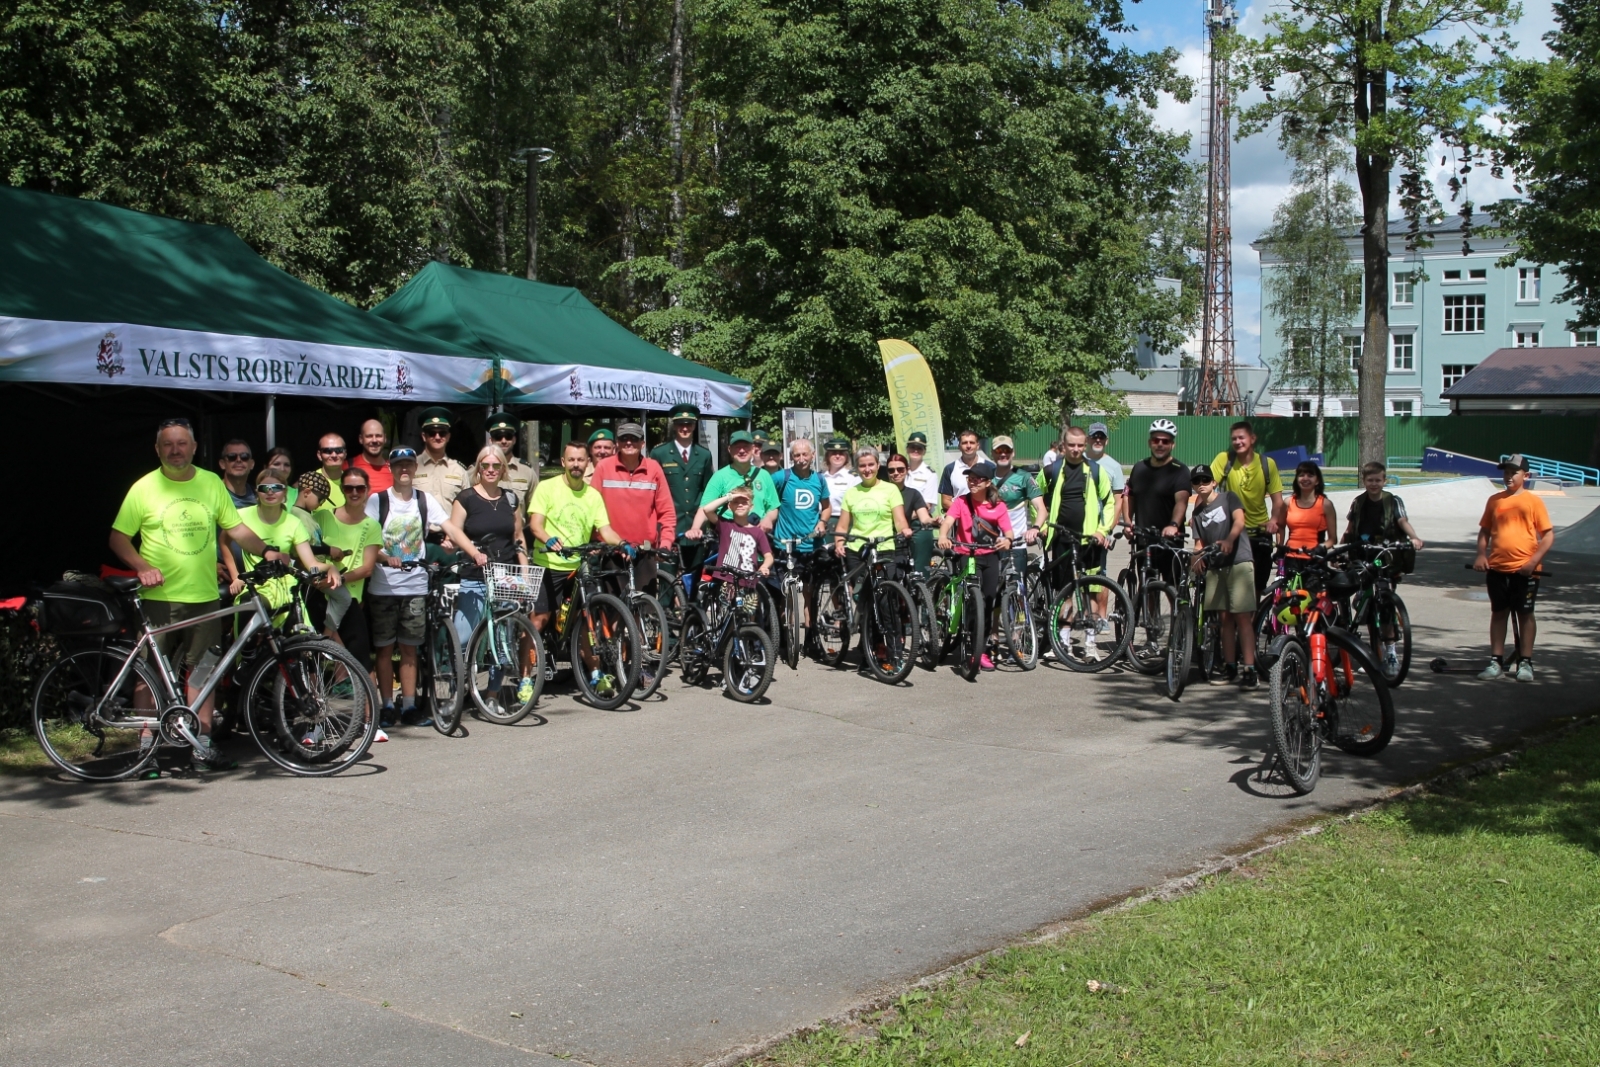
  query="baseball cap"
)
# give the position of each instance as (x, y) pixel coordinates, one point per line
(981, 469)
(1200, 474)
(1002, 442)
(1515, 461)
(1098, 427)
(741, 437)
(631, 429)
(771, 444)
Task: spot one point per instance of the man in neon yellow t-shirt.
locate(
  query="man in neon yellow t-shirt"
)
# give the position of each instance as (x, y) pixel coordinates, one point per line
(565, 511)
(175, 512)
(1254, 479)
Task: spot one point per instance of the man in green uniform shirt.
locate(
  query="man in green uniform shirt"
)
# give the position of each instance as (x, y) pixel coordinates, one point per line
(175, 512)
(687, 466)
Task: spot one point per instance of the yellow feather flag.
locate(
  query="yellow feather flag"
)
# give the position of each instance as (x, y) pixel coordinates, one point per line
(913, 398)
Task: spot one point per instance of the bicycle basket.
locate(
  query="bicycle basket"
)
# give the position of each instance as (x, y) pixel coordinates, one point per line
(81, 609)
(510, 581)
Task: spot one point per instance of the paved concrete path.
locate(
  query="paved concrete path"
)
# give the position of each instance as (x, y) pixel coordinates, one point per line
(661, 885)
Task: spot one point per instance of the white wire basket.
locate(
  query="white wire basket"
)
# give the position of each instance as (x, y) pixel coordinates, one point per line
(511, 581)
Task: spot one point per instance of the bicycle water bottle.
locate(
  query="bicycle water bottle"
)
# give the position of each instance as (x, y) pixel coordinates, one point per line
(561, 616)
(201, 672)
(1319, 656)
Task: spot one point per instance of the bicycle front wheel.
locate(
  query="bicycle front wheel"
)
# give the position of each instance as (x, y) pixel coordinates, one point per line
(930, 635)
(694, 647)
(831, 619)
(312, 708)
(892, 635)
(748, 663)
(1295, 734)
(1391, 625)
(1018, 633)
(1363, 706)
(444, 665)
(794, 625)
(505, 652)
(673, 600)
(605, 652)
(969, 642)
(1089, 624)
(1180, 649)
(88, 728)
(1148, 649)
(653, 643)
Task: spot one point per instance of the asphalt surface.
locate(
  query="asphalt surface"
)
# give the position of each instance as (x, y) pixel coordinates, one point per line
(663, 884)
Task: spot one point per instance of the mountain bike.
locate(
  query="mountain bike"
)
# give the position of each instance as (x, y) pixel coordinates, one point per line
(1191, 629)
(1325, 685)
(1076, 618)
(1151, 591)
(886, 614)
(598, 632)
(441, 667)
(102, 711)
(722, 629)
(1016, 630)
(960, 611)
(791, 568)
(650, 620)
(924, 587)
(1377, 610)
(672, 595)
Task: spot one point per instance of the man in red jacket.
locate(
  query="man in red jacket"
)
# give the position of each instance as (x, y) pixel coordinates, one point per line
(638, 500)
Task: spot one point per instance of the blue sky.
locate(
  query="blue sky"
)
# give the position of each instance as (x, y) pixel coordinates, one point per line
(1260, 175)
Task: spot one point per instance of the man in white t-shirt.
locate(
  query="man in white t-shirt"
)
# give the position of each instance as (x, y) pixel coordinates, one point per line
(397, 598)
(953, 482)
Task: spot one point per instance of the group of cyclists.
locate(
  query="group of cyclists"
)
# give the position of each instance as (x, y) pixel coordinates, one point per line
(981, 562)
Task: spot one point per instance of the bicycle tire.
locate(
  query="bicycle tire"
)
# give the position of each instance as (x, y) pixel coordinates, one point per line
(694, 647)
(1211, 644)
(794, 625)
(673, 600)
(653, 644)
(1072, 611)
(495, 666)
(831, 615)
(63, 700)
(1150, 657)
(747, 664)
(316, 729)
(1267, 630)
(1018, 633)
(1295, 735)
(1180, 649)
(930, 645)
(893, 632)
(768, 616)
(969, 638)
(443, 664)
(1365, 709)
(1402, 627)
(608, 625)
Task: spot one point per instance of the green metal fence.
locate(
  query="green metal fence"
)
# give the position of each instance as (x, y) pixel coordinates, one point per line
(1200, 437)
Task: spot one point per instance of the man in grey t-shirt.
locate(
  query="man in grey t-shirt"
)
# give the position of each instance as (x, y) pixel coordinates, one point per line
(1218, 519)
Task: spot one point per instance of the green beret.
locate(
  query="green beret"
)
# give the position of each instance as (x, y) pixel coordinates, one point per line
(602, 434)
(436, 416)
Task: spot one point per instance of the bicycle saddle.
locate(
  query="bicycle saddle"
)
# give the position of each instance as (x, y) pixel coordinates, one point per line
(122, 585)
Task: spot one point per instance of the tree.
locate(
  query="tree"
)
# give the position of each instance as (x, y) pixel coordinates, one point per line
(1554, 147)
(1314, 290)
(1403, 75)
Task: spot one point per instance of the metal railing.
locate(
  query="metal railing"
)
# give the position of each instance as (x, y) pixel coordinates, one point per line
(1554, 469)
(1403, 463)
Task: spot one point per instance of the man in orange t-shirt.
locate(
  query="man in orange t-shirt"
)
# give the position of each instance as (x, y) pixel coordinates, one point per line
(1513, 537)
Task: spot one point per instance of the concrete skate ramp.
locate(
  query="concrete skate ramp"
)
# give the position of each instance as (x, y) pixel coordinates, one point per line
(1582, 537)
(1449, 510)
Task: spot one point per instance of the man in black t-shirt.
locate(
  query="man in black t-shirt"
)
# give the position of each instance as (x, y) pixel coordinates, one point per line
(1158, 493)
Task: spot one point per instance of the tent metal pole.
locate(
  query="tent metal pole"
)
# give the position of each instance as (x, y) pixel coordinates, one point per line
(272, 420)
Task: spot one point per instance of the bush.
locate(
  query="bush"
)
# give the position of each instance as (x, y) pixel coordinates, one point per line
(24, 654)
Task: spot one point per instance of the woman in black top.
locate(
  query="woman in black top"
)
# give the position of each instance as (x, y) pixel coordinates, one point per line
(917, 513)
(492, 523)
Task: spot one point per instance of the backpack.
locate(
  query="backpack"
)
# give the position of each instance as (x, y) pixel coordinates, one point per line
(422, 507)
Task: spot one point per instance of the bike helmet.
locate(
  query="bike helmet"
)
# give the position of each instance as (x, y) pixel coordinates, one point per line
(1166, 426)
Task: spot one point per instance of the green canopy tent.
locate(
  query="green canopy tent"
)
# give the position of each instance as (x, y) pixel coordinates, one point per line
(553, 347)
(93, 294)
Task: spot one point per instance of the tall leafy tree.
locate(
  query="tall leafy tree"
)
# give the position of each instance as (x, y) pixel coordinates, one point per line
(1313, 289)
(1404, 75)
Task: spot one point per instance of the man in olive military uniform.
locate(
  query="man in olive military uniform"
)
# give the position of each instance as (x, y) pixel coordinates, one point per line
(437, 473)
(686, 464)
(502, 430)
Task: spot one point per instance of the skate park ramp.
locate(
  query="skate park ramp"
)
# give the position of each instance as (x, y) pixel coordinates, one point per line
(1448, 510)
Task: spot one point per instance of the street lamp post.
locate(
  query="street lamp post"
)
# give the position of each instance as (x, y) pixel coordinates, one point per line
(533, 157)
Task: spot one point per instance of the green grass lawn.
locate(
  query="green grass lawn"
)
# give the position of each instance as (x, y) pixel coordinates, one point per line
(1457, 928)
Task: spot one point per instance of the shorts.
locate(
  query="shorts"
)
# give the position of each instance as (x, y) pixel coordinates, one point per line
(339, 601)
(397, 619)
(1510, 591)
(1231, 589)
(189, 644)
(552, 591)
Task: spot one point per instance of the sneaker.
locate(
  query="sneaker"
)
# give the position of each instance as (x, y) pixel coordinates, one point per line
(985, 662)
(1525, 671)
(1492, 671)
(1247, 678)
(1090, 652)
(603, 684)
(313, 737)
(386, 716)
(525, 690)
(415, 716)
(1102, 625)
(1391, 658)
(205, 757)
(379, 736)
(1065, 633)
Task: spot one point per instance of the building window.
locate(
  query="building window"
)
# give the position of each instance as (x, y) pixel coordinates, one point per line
(1300, 408)
(1464, 314)
(1405, 289)
(1526, 339)
(1586, 338)
(1454, 372)
(1404, 352)
(1403, 407)
(1528, 285)
(1477, 274)
(1351, 343)
(1452, 276)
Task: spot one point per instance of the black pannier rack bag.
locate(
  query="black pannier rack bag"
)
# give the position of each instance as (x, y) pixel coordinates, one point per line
(80, 606)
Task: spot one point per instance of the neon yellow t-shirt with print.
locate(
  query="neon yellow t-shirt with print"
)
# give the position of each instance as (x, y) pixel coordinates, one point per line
(176, 524)
(280, 536)
(872, 510)
(571, 517)
(1252, 483)
(353, 540)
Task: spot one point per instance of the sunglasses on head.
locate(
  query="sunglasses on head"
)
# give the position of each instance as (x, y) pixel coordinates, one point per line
(398, 455)
(270, 487)
(353, 487)
(235, 457)
(166, 423)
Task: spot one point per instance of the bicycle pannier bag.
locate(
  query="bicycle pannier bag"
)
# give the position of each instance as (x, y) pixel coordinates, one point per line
(78, 609)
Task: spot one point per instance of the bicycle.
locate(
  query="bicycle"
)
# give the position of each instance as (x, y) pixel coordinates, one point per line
(598, 630)
(724, 629)
(791, 579)
(1377, 609)
(924, 588)
(886, 612)
(1074, 621)
(503, 647)
(960, 611)
(1189, 619)
(1018, 633)
(1325, 686)
(441, 665)
(1153, 597)
(655, 641)
(308, 703)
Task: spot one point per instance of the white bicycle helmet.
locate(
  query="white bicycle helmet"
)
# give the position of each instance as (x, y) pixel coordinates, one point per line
(1164, 426)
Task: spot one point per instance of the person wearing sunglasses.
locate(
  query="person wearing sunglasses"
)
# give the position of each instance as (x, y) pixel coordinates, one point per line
(347, 528)
(236, 463)
(437, 473)
(917, 511)
(331, 453)
(503, 432)
(285, 538)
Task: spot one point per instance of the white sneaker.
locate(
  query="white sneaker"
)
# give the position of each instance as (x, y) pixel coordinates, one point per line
(379, 736)
(1090, 652)
(1391, 658)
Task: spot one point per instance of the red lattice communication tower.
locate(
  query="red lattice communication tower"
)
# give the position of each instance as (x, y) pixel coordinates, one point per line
(1218, 390)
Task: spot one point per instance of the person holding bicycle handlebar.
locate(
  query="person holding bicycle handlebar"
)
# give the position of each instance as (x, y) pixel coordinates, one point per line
(982, 519)
(566, 511)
